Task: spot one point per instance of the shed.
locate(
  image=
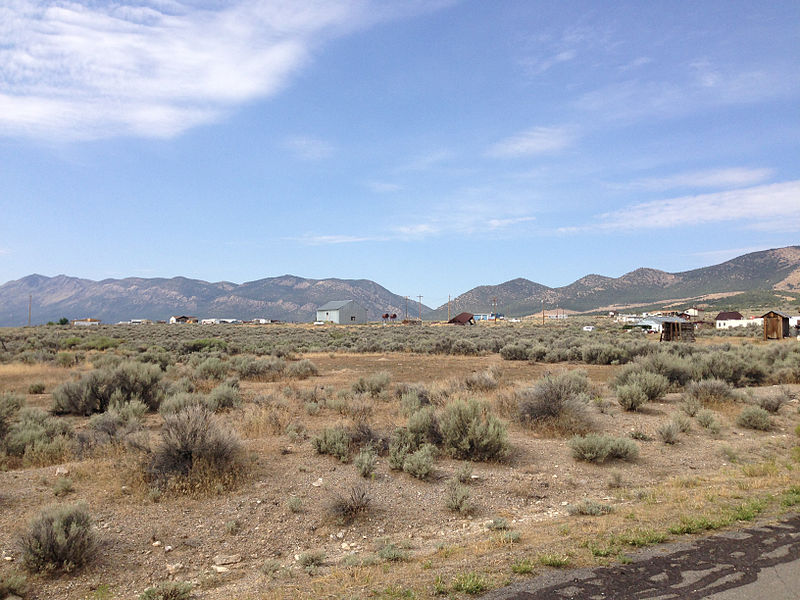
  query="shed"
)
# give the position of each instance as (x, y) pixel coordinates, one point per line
(675, 329)
(342, 312)
(463, 319)
(776, 325)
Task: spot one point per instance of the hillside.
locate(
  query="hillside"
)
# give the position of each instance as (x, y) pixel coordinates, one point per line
(286, 298)
(766, 275)
(769, 277)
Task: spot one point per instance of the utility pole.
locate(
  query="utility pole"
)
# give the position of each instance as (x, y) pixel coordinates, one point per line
(30, 301)
(448, 307)
(542, 311)
(406, 308)
(420, 309)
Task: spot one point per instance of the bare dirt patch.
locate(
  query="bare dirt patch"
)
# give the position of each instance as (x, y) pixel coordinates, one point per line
(146, 538)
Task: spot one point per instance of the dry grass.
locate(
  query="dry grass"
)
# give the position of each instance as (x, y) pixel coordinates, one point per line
(664, 486)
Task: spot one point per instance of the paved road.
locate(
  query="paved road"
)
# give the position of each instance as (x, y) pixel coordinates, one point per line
(763, 562)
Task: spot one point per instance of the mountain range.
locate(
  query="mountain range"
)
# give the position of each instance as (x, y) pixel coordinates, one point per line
(769, 275)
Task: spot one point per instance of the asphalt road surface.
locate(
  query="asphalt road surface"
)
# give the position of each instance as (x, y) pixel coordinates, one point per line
(758, 563)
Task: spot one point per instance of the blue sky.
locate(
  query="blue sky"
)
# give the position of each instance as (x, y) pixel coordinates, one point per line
(430, 146)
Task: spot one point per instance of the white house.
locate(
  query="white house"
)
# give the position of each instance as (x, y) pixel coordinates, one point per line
(731, 323)
(342, 312)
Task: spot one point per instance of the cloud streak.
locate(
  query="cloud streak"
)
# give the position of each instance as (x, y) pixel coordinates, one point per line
(538, 140)
(713, 178)
(767, 206)
(156, 68)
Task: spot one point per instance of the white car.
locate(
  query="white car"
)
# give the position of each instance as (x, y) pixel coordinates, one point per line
(588, 328)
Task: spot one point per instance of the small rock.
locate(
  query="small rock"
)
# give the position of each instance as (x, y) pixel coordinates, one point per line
(318, 482)
(167, 548)
(227, 559)
(220, 569)
(62, 470)
(156, 543)
(125, 490)
(345, 546)
(174, 568)
(8, 558)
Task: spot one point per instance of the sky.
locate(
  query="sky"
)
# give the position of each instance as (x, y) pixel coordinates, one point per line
(429, 145)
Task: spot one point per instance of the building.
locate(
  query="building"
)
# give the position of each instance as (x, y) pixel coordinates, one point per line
(342, 312)
(218, 321)
(672, 329)
(87, 322)
(463, 319)
(776, 325)
(182, 319)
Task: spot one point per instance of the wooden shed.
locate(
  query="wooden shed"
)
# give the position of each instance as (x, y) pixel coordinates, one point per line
(463, 319)
(675, 329)
(776, 325)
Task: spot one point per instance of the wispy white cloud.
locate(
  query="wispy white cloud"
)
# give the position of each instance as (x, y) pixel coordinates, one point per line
(538, 140)
(701, 86)
(472, 218)
(767, 206)
(713, 178)
(308, 148)
(83, 70)
(326, 240)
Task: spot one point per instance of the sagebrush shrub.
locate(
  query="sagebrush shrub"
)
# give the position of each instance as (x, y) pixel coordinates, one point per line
(514, 352)
(36, 431)
(58, 539)
(95, 390)
(557, 401)
(754, 417)
(334, 441)
(772, 403)
(373, 384)
(709, 391)
(707, 419)
(470, 431)
(631, 396)
(599, 448)
(302, 369)
(10, 405)
(168, 590)
(457, 497)
(366, 461)
(668, 432)
(419, 464)
(13, 583)
(211, 368)
(179, 401)
(223, 396)
(194, 437)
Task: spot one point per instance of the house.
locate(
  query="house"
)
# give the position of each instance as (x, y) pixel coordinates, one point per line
(87, 322)
(776, 325)
(463, 319)
(342, 312)
(182, 319)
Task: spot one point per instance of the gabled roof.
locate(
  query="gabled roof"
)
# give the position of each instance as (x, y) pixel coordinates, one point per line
(730, 315)
(777, 312)
(334, 304)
